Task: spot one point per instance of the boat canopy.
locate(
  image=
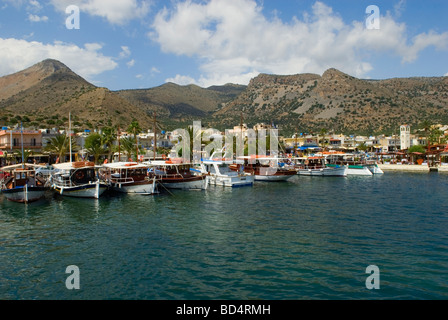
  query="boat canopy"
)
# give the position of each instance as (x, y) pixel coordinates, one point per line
(125, 165)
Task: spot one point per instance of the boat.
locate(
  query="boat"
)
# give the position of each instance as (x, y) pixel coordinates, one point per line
(130, 177)
(359, 167)
(78, 179)
(176, 174)
(268, 169)
(19, 183)
(219, 173)
(315, 166)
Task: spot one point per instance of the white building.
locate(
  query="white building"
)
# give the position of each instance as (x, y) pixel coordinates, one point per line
(405, 136)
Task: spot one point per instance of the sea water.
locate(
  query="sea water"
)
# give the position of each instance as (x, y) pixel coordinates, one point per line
(309, 238)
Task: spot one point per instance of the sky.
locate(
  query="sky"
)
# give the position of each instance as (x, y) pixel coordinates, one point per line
(132, 44)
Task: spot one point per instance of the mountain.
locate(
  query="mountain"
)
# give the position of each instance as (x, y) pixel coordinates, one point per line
(45, 94)
(182, 103)
(339, 102)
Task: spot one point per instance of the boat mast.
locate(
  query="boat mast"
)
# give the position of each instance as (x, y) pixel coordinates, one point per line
(119, 144)
(70, 134)
(21, 138)
(155, 136)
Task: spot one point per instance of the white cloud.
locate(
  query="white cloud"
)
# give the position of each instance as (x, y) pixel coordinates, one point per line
(117, 12)
(233, 40)
(131, 63)
(125, 52)
(181, 80)
(35, 4)
(88, 62)
(36, 18)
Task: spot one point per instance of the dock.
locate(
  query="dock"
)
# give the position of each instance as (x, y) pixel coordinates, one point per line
(412, 168)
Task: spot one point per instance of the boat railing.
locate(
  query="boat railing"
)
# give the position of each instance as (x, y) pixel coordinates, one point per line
(121, 180)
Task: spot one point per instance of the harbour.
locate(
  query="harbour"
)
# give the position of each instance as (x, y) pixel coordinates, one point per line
(306, 238)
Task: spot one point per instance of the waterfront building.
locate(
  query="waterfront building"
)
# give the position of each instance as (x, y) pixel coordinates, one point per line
(405, 137)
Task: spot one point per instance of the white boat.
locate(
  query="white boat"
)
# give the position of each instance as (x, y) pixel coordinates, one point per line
(315, 166)
(219, 174)
(19, 183)
(78, 179)
(174, 174)
(130, 177)
(359, 167)
(267, 169)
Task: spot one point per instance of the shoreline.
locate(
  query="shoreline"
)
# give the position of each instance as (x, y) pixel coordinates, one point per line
(410, 168)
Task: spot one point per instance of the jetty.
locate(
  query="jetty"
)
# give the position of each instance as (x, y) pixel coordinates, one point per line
(412, 168)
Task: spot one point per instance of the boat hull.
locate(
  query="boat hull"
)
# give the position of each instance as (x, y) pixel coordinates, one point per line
(324, 172)
(232, 182)
(146, 188)
(273, 178)
(375, 169)
(22, 195)
(194, 183)
(94, 190)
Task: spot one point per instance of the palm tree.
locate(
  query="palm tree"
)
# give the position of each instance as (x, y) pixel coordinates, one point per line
(108, 138)
(426, 126)
(323, 133)
(26, 155)
(135, 128)
(128, 146)
(59, 145)
(95, 146)
(156, 127)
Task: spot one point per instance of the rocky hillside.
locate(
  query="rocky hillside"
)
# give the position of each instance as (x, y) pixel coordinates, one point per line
(339, 102)
(44, 95)
(182, 103)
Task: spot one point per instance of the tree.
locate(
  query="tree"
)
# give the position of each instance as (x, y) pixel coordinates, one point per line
(26, 155)
(108, 138)
(156, 127)
(323, 134)
(128, 146)
(60, 145)
(95, 146)
(417, 148)
(135, 128)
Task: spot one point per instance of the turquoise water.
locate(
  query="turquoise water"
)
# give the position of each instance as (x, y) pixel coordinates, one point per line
(311, 238)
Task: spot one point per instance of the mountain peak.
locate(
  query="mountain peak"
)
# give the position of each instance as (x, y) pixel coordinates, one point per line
(334, 73)
(51, 66)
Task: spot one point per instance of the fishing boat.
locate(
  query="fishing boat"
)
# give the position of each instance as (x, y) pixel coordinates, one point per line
(78, 179)
(19, 183)
(176, 174)
(268, 169)
(130, 177)
(219, 173)
(315, 166)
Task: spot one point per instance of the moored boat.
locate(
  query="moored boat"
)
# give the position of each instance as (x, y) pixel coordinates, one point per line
(219, 173)
(315, 166)
(78, 179)
(268, 169)
(21, 184)
(130, 177)
(176, 175)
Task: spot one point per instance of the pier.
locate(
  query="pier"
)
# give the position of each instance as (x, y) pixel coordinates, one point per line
(412, 168)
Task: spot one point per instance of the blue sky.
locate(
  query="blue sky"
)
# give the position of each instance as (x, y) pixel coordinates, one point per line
(124, 44)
